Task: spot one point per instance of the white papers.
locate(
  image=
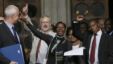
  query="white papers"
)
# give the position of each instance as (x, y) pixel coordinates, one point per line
(75, 52)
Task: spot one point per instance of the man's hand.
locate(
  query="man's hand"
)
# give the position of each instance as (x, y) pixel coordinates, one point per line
(13, 62)
(24, 13)
(1, 18)
(80, 18)
(25, 10)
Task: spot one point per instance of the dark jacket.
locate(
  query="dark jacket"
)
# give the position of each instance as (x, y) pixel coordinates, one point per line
(105, 52)
(55, 56)
(6, 39)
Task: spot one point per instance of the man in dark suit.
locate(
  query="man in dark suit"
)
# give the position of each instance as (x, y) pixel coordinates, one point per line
(99, 49)
(8, 36)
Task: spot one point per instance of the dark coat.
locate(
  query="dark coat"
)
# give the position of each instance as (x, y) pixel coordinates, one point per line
(6, 39)
(57, 55)
(105, 52)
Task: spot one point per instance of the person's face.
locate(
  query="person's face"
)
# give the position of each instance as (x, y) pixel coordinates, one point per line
(101, 23)
(94, 27)
(15, 17)
(60, 29)
(108, 26)
(45, 24)
(70, 36)
(80, 18)
(83, 28)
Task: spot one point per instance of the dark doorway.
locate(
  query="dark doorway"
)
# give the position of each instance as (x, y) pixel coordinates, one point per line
(111, 9)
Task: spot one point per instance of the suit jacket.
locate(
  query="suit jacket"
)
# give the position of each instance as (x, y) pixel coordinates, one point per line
(105, 52)
(6, 39)
(57, 55)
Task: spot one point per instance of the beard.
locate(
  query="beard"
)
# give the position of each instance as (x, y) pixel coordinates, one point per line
(45, 28)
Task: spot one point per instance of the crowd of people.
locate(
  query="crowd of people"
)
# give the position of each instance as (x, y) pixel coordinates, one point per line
(48, 43)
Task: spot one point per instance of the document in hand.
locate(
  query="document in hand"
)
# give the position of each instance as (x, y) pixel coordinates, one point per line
(75, 52)
(13, 53)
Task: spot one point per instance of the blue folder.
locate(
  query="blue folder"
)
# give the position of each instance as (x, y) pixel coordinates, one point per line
(13, 53)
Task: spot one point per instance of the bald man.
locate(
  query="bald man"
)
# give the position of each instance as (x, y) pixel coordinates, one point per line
(8, 36)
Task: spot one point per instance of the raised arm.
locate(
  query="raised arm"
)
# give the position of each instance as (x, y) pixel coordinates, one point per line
(35, 31)
(39, 34)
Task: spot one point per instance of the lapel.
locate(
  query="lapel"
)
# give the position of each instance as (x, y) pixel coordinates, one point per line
(88, 46)
(101, 44)
(101, 41)
(52, 43)
(55, 44)
(89, 41)
(7, 31)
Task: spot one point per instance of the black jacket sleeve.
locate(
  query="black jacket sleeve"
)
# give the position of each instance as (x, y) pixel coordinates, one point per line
(3, 59)
(39, 34)
(110, 51)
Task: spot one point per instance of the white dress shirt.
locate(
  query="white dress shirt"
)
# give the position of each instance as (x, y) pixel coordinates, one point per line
(98, 37)
(42, 51)
(10, 26)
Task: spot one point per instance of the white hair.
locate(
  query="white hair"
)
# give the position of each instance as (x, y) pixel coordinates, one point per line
(11, 10)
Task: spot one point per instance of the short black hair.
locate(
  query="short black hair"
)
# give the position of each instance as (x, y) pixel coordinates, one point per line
(60, 22)
(68, 30)
(73, 33)
(94, 20)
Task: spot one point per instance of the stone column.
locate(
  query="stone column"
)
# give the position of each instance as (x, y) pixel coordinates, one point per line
(58, 10)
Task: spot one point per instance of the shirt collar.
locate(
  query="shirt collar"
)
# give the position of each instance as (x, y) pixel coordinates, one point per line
(60, 36)
(9, 24)
(99, 32)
